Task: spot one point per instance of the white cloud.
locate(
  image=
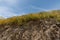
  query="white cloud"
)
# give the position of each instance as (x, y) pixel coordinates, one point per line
(5, 12)
(9, 2)
(23, 13)
(39, 8)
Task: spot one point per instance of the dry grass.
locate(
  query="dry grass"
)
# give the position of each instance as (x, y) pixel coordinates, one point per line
(25, 18)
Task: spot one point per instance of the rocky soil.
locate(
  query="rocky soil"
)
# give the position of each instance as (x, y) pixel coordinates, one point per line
(44, 29)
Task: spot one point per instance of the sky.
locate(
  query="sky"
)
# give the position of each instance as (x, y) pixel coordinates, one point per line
(9, 8)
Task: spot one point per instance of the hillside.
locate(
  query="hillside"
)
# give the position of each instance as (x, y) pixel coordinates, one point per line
(36, 26)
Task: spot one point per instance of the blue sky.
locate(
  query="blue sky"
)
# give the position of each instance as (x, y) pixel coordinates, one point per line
(9, 8)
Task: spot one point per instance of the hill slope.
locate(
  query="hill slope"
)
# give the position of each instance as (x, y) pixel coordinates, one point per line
(38, 26)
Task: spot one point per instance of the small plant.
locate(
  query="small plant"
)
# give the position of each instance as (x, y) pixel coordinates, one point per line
(25, 18)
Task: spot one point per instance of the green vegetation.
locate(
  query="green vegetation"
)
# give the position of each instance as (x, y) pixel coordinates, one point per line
(18, 20)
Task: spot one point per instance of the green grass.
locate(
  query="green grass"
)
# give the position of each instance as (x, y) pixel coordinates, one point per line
(18, 20)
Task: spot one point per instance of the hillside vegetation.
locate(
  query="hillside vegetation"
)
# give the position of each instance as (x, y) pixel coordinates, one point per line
(36, 16)
(36, 26)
